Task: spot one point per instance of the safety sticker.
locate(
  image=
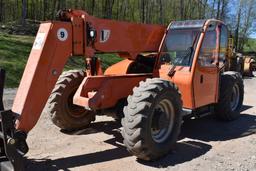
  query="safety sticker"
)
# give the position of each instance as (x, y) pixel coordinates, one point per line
(62, 34)
(39, 41)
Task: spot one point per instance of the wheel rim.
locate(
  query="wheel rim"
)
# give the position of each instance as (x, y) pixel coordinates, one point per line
(235, 97)
(162, 121)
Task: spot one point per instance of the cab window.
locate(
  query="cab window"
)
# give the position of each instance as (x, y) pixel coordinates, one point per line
(223, 44)
(209, 48)
(179, 46)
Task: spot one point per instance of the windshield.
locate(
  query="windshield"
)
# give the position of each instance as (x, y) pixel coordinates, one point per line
(179, 46)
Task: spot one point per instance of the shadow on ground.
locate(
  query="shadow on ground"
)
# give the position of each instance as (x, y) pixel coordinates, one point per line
(200, 131)
(209, 129)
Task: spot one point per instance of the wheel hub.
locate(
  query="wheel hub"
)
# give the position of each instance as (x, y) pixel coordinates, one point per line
(162, 121)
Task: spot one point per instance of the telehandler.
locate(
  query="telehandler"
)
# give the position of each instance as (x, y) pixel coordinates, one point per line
(166, 73)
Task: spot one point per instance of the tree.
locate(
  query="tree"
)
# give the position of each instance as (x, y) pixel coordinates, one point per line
(144, 11)
(218, 9)
(248, 20)
(161, 11)
(2, 10)
(224, 9)
(108, 8)
(182, 9)
(24, 12)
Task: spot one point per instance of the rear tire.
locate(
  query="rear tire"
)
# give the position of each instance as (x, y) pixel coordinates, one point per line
(152, 120)
(231, 96)
(63, 112)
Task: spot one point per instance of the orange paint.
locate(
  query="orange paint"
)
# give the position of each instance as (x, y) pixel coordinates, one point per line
(57, 41)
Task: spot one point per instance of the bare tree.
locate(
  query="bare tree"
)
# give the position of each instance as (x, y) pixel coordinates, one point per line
(238, 23)
(218, 9)
(143, 11)
(24, 12)
(161, 11)
(1, 10)
(108, 8)
(205, 4)
(93, 6)
(181, 9)
(224, 9)
(213, 8)
(45, 9)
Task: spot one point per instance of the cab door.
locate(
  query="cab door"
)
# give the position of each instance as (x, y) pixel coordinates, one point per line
(209, 62)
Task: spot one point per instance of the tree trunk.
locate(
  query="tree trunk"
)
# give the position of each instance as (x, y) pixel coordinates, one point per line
(24, 12)
(76, 4)
(204, 8)
(238, 24)
(45, 2)
(181, 9)
(1, 10)
(93, 6)
(218, 9)
(213, 10)
(143, 11)
(223, 9)
(161, 11)
(108, 8)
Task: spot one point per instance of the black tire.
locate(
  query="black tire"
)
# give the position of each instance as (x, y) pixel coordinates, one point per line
(230, 103)
(143, 116)
(63, 112)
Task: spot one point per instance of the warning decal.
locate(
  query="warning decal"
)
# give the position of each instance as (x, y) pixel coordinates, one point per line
(39, 41)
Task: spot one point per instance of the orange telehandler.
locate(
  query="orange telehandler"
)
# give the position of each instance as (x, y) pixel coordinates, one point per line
(167, 73)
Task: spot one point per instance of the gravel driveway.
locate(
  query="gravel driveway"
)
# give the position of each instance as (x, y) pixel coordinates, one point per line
(205, 144)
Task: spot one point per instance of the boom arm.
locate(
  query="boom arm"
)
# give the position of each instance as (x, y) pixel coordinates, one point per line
(76, 34)
(79, 34)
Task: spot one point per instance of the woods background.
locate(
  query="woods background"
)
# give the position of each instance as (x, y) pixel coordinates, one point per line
(20, 19)
(239, 15)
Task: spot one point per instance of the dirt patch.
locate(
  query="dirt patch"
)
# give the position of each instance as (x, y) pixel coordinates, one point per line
(205, 144)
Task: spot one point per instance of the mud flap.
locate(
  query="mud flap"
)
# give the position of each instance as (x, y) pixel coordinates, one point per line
(12, 142)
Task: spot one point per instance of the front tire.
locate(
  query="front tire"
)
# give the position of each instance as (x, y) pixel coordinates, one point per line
(60, 107)
(152, 120)
(231, 96)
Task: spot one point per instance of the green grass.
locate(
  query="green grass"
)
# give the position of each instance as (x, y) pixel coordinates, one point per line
(14, 52)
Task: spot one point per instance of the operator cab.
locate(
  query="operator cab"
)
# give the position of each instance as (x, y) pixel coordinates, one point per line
(182, 39)
(192, 56)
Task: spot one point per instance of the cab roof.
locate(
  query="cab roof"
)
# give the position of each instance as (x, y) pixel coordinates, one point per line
(190, 24)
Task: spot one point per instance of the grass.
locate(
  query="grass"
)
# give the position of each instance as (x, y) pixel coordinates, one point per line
(14, 52)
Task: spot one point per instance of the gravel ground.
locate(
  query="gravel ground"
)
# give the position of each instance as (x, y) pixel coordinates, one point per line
(204, 144)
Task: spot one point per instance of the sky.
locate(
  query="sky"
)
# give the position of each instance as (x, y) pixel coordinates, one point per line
(233, 5)
(253, 35)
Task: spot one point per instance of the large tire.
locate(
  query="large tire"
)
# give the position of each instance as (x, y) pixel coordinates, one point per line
(231, 96)
(152, 120)
(63, 112)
